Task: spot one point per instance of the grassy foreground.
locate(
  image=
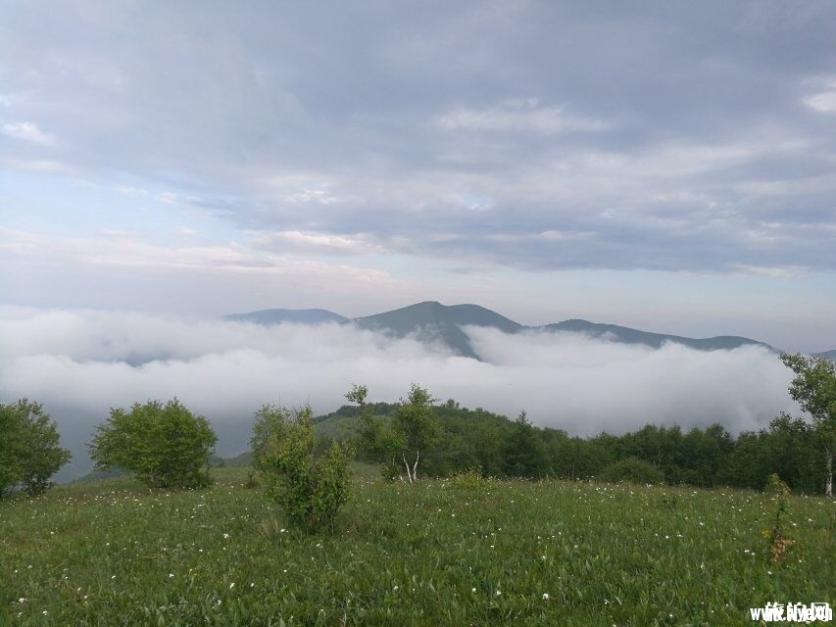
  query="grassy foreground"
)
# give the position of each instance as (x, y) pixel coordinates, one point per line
(503, 552)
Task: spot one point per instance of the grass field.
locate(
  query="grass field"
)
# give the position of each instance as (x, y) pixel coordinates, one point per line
(499, 552)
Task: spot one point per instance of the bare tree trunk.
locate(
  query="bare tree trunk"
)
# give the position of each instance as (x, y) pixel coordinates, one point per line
(415, 465)
(408, 471)
(828, 485)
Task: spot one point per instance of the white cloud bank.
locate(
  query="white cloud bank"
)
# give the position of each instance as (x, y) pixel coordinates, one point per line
(80, 363)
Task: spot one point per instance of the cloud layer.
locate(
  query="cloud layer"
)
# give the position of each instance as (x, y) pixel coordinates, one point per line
(80, 363)
(698, 137)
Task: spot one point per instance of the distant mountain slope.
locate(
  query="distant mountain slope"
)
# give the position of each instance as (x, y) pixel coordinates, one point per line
(297, 316)
(433, 321)
(831, 355)
(626, 335)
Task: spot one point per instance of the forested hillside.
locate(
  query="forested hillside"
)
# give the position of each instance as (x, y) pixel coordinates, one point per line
(495, 445)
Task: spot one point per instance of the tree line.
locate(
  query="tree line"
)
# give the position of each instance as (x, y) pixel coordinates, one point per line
(166, 445)
(706, 457)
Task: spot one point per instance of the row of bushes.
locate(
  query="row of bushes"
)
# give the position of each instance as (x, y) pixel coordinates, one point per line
(165, 445)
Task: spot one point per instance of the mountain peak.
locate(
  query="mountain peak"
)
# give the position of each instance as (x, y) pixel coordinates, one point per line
(432, 320)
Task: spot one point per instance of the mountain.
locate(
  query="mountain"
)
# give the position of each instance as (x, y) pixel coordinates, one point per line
(297, 316)
(433, 321)
(831, 355)
(626, 335)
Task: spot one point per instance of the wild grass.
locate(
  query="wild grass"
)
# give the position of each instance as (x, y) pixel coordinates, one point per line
(437, 553)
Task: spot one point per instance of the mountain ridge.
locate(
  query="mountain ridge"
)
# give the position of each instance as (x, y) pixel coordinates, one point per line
(269, 317)
(628, 335)
(434, 321)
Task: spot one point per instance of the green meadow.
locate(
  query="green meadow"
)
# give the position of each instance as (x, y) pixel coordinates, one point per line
(441, 552)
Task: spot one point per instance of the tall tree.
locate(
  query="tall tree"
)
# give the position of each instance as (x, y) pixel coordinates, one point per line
(525, 450)
(417, 428)
(399, 443)
(814, 387)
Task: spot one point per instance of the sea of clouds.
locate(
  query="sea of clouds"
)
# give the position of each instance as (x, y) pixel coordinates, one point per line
(79, 363)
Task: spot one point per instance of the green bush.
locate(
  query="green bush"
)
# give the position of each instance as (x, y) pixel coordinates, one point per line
(632, 470)
(470, 480)
(311, 489)
(164, 445)
(29, 448)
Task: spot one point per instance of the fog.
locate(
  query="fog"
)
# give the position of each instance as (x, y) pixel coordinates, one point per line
(80, 363)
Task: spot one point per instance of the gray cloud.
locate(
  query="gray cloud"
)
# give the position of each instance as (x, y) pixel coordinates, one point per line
(79, 363)
(694, 136)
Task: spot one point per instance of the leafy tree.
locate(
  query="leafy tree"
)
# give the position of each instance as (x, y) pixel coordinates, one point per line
(10, 448)
(375, 438)
(29, 448)
(470, 440)
(271, 422)
(368, 429)
(633, 470)
(577, 458)
(525, 451)
(814, 387)
(749, 463)
(416, 429)
(794, 452)
(164, 445)
(399, 443)
(311, 489)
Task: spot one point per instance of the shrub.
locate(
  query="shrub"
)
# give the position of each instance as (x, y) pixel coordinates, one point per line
(779, 540)
(776, 488)
(632, 470)
(470, 480)
(311, 489)
(164, 445)
(29, 448)
(252, 482)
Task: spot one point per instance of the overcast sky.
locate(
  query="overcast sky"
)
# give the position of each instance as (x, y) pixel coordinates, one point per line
(667, 165)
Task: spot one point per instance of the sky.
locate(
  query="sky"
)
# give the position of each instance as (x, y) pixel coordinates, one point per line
(664, 165)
